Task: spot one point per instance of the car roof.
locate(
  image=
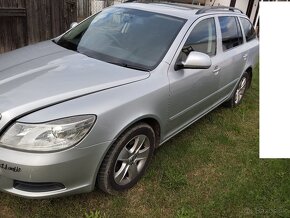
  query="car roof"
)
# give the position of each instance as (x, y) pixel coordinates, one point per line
(186, 11)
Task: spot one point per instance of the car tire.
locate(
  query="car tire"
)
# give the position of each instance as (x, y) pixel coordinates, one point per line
(239, 92)
(127, 159)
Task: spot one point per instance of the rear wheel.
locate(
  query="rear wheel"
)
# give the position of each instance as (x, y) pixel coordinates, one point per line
(127, 159)
(239, 92)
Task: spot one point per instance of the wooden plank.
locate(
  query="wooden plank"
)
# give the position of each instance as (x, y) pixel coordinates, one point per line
(83, 9)
(56, 13)
(12, 12)
(40, 19)
(32, 21)
(12, 3)
(12, 33)
(70, 13)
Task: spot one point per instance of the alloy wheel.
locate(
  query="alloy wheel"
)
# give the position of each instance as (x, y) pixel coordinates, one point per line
(131, 159)
(240, 90)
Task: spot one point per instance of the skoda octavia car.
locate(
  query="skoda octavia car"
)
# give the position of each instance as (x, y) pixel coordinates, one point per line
(89, 107)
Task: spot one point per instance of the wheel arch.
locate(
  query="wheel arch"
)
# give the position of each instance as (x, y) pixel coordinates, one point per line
(151, 120)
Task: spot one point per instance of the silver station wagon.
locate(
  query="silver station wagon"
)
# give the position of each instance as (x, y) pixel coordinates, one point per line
(89, 107)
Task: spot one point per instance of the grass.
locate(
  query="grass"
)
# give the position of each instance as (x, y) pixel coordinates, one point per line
(212, 169)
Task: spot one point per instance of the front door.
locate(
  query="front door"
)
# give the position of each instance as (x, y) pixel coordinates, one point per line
(194, 91)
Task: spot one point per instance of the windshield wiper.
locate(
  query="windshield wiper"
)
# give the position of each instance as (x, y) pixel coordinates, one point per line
(111, 60)
(131, 66)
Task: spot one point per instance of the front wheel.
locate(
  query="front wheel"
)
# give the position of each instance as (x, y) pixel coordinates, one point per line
(239, 92)
(127, 159)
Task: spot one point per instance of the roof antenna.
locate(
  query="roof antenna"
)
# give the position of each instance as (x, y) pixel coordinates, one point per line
(213, 2)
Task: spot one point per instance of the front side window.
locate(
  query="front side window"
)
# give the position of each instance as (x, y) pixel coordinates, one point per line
(127, 37)
(231, 32)
(249, 30)
(202, 39)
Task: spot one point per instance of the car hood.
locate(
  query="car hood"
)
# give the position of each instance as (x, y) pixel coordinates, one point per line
(45, 73)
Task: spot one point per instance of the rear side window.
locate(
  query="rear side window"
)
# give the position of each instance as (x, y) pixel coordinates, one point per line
(249, 30)
(231, 32)
(202, 38)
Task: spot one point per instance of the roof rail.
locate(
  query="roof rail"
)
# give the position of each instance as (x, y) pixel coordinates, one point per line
(206, 9)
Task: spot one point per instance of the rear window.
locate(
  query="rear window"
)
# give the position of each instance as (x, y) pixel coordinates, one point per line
(249, 30)
(231, 32)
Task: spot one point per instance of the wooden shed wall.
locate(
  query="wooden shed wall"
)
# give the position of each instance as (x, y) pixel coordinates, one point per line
(24, 22)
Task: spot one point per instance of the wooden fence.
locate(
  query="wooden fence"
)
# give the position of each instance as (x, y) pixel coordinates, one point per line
(84, 9)
(24, 22)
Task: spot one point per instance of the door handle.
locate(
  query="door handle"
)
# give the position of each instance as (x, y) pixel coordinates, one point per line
(216, 70)
(245, 56)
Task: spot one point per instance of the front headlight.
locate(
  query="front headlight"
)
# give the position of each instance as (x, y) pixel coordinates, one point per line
(51, 136)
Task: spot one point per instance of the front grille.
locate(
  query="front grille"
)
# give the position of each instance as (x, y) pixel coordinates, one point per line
(37, 186)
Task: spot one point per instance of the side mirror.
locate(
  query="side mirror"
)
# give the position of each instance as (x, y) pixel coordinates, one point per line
(73, 24)
(195, 60)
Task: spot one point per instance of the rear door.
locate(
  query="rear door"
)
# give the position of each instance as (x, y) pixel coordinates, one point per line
(251, 45)
(233, 54)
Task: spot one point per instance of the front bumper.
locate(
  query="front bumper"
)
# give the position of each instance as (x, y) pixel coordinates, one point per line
(63, 173)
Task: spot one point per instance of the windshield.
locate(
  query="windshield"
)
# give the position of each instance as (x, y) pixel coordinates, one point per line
(127, 37)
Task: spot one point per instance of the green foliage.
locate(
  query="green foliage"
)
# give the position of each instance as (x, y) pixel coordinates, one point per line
(96, 214)
(186, 212)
